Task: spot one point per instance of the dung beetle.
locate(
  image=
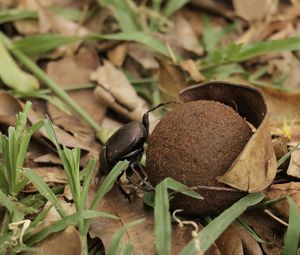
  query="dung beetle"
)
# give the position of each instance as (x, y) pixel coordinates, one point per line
(127, 143)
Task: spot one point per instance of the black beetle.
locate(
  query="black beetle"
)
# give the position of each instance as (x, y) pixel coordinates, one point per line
(127, 143)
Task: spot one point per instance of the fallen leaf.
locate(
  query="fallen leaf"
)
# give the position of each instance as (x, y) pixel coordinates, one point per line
(291, 189)
(141, 237)
(49, 158)
(117, 55)
(250, 12)
(171, 80)
(191, 67)
(51, 174)
(53, 215)
(115, 91)
(255, 168)
(142, 55)
(185, 35)
(9, 105)
(67, 242)
(294, 166)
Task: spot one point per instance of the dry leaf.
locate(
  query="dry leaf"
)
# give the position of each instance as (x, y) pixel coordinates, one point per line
(117, 55)
(171, 80)
(255, 168)
(142, 55)
(141, 236)
(51, 174)
(249, 9)
(291, 189)
(49, 158)
(185, 35)
(294, 166)
(191, 67)
(67, 242)
(115, 91)
(9, 105)
(53, 215)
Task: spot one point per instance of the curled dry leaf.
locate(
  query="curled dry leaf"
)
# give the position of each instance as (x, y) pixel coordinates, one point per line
(185, 35)
(291, 189)
(255, 168)
(115, 91)
(171, 80)
(67, 242)
(51, 174)
(9, 105)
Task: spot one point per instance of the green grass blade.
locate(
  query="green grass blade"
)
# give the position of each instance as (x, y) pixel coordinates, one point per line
(87, 181)
(106, 186)
(173, 6)
(16, 14)
(44, 189)
(162, 219)
(215, 228)
(255, 49)
(42, 43)
(63, 223)
(13, 76)
(11, 207)
(115, 242)
(123, 14)
(292, 236)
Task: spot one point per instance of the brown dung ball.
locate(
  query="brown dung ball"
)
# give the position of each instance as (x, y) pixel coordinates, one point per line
(194, 144)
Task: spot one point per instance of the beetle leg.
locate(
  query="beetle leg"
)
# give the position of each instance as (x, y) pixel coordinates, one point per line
(144, 182)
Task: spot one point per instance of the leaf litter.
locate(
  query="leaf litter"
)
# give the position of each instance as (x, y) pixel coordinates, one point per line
(116, 61)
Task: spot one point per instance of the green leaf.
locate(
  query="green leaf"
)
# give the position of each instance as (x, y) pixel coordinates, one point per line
(162, 217)
(123, 14)
(63, 223)
(16, 14)
(292, 236)
(252, 50)
(43, 188)
(15, 214)
(115, 243)
(13, 76)
(173, 6)
(215, 228)
(223, 71)
(68, 13)
(42, 43)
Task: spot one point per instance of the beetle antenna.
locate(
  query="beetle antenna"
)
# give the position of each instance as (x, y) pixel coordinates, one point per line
(145, 120)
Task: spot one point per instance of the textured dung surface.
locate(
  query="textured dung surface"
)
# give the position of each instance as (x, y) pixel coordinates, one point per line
(193, 144)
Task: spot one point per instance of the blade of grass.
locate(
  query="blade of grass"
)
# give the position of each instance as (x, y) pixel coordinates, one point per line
(11, 207)
(101, 134)
(215, 228)
(42, 43)
(292, 236)
(43, 188)
(63, 223)
(162, 218)
(173, 6)
(106, 186)
(115, 242)
(13, 76)
(16, 14)
(123, 14)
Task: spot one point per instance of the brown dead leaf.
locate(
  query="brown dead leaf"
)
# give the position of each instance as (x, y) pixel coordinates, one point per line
(115, 91)
(67, 242)
(49, 158)
(291, 189)
(9, 105)
(141, 237)
(51, 174)
(294, 166)
(142, 55)
(185, 35)
(171, 80)
(53, 215)
(191, 67)
(255, 168)
(249, 11)
(117, 55)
